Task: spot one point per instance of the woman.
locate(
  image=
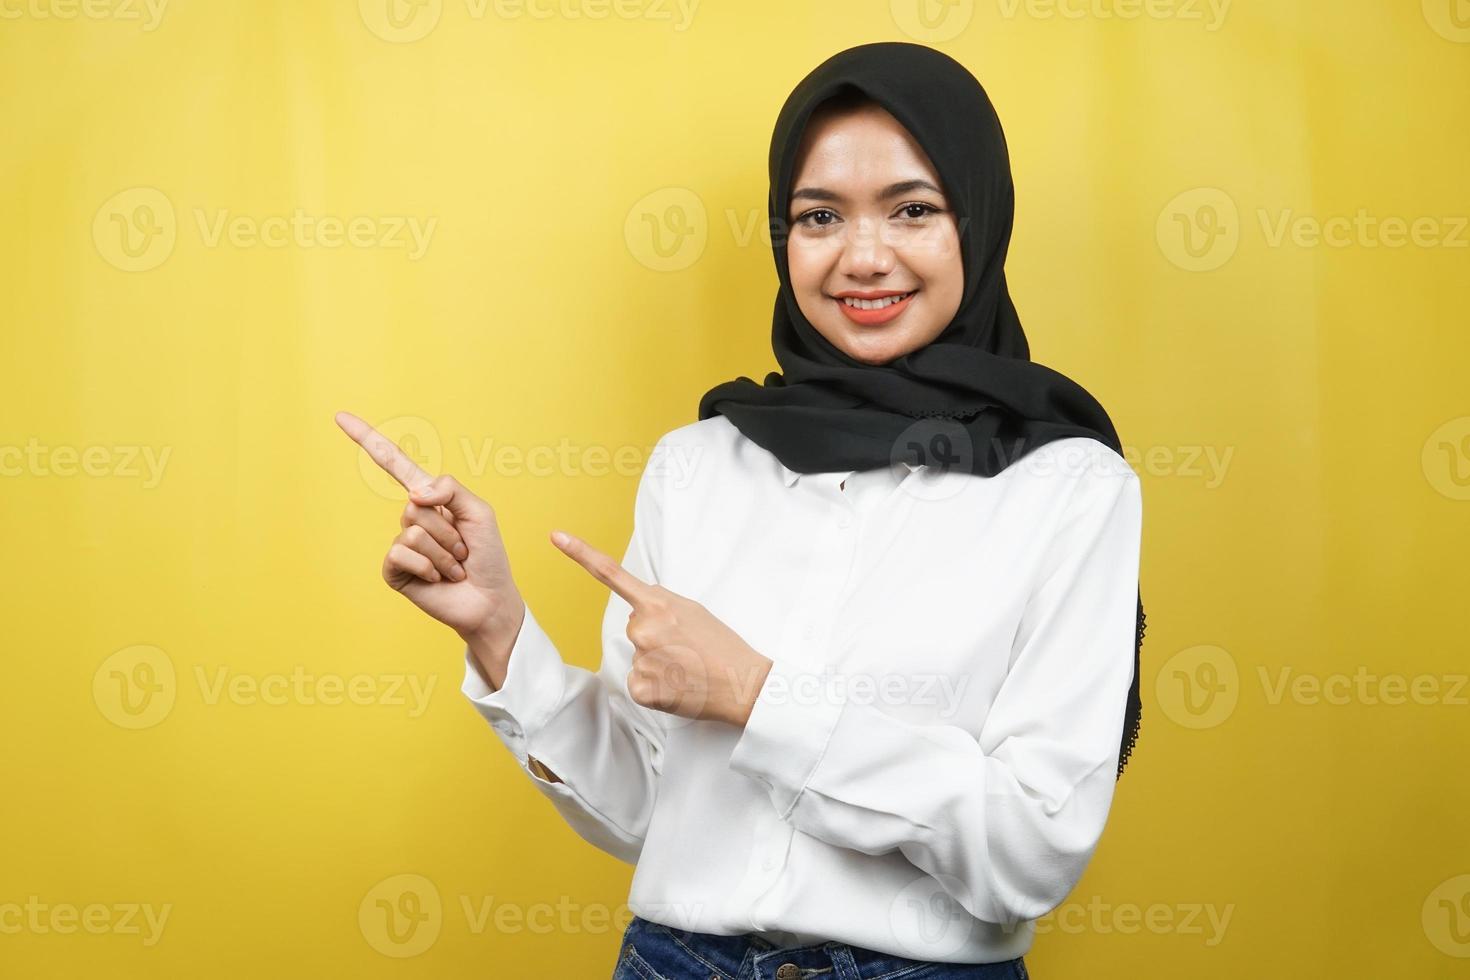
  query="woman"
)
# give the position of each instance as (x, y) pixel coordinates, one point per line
(869, 667)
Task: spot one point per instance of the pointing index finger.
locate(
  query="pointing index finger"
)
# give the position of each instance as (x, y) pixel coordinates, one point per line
(392, 459)
(603, 568)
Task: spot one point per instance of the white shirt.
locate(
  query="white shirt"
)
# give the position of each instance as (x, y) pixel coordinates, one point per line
(928, 766)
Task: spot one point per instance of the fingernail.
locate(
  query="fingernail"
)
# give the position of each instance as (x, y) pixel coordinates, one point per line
(456, 572)
(461, 552)
(559, 537)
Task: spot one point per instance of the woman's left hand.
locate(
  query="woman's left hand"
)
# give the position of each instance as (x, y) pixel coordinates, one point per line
(685, 660)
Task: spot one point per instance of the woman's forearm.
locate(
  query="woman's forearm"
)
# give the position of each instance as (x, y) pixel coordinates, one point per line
(490, 651)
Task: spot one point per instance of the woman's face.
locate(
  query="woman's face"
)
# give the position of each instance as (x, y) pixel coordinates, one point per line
(869, 221)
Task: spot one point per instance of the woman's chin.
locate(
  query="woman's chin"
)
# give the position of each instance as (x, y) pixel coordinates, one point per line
(868, 354)
(869, 345)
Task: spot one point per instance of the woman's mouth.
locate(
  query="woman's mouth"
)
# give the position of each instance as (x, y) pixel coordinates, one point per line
(875, 308)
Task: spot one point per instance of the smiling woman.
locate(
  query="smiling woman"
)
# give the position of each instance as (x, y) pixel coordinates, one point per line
(912, 500)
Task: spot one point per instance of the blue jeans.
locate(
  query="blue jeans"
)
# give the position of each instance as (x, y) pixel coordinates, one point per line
(652, 951)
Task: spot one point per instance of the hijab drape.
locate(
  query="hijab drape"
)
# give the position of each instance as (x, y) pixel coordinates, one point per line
(987, 404)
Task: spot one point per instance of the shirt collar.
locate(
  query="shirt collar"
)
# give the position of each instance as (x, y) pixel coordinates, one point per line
(790, 476)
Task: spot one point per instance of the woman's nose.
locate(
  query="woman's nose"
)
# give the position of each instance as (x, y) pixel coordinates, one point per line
(865, 252)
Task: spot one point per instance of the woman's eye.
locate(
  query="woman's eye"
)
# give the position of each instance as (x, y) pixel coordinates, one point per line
(824, 217)
(923, 210)
(810, 217)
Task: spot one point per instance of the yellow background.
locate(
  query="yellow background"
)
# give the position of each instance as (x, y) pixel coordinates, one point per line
(1327, 833)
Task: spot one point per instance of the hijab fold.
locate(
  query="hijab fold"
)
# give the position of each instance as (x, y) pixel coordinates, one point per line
(970, 399)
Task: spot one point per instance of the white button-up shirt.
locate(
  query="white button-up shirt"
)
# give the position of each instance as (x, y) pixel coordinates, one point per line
(929, 764)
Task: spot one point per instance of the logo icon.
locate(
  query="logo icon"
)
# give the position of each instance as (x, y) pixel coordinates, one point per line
(1199, 230)
(932, 20)
(135, 687)
(401, 916)
(1446, 917)
(927, 920)
(1198, 687)
(1449, 18)
(667, 230)
(135, 230)
(1446, 458)
(401, 21)
(940, 445)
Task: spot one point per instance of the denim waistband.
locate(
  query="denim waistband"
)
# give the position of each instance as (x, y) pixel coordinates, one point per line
(653, 951)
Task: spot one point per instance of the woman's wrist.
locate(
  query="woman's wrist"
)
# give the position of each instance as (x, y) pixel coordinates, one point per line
(491, 643)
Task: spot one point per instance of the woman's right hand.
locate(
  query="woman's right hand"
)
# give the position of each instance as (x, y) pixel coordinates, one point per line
(448, 558)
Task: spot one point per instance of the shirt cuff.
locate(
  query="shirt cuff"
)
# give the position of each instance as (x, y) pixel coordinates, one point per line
(531, 694)
(794, 715)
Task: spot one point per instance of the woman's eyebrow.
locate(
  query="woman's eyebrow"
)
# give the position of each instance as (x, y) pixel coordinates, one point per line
(892, 190)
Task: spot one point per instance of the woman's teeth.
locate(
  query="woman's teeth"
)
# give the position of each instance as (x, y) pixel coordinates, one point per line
(876, 304)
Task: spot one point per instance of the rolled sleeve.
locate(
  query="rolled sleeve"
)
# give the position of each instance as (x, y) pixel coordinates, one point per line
(787, 732)
(531, 694)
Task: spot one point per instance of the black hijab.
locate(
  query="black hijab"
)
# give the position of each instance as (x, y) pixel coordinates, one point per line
(984, 402)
